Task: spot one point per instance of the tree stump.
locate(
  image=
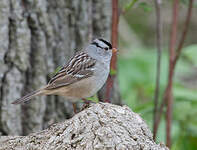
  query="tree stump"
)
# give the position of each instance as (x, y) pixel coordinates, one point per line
(102, 126)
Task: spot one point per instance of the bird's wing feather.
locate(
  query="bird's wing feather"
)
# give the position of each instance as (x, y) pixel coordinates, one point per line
(79, 67)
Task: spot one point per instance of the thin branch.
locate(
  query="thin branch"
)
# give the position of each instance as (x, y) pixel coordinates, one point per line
(159, 52)
(167, 99)
(158, 117)
(185, 30)
(173, 62)
(114, 39)
(114, 34)
(168, 94)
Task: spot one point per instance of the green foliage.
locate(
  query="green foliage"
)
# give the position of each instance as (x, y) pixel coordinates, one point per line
(137, 84)
(185, 2)
(145, 6)
(93, 99)
(129, 5)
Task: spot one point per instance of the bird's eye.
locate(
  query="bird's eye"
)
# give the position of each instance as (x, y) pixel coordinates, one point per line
(106, 48)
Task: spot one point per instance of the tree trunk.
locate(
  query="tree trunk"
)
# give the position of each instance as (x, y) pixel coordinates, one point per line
(35, 38)
(103, 126)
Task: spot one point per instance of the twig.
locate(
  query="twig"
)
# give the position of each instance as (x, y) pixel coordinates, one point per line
(185, 30)
(168, 94)
(114, 39)
(173, 62)
(174, 56)
(158, 117)
(114, 34)
(159, 52)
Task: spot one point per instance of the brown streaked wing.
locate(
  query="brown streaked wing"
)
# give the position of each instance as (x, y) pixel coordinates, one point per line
(58, 75)
(79, 67)
(69, 79)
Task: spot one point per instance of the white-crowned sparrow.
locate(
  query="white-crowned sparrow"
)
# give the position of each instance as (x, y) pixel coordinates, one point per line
(83, 75)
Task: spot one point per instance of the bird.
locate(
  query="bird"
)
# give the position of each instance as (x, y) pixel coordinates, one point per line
(82, 76)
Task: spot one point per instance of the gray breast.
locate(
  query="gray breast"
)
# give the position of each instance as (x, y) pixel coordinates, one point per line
(101, 74)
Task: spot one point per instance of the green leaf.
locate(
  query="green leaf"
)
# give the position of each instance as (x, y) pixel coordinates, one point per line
(93, 98)
(145, 6)
(129, 5)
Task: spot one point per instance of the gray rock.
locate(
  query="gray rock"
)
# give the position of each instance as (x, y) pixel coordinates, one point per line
(102, 126)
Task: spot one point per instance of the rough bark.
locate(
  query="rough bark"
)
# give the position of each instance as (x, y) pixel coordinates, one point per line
(37, 36)
(101, 126)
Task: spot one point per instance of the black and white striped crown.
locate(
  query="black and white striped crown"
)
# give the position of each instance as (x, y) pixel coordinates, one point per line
(101, 43)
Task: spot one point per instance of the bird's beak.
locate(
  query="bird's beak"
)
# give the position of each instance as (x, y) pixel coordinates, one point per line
(114, 50)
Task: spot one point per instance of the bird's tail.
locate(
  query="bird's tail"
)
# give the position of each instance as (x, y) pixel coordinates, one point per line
(28, 97)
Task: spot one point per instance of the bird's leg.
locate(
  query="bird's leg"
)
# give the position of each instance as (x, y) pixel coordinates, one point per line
(74, 107)
(86, 103)
(107, 101)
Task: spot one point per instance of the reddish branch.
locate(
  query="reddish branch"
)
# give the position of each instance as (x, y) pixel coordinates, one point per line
(185, 30)
(159, 52)
(174, 56)
(114, 39)
(168, 93)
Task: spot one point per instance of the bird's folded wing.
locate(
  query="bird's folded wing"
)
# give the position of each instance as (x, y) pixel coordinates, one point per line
(69, 79)
(81, 66)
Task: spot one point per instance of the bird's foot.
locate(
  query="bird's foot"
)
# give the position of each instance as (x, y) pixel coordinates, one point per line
(107, 101)
(74, 108)
(86, 104)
